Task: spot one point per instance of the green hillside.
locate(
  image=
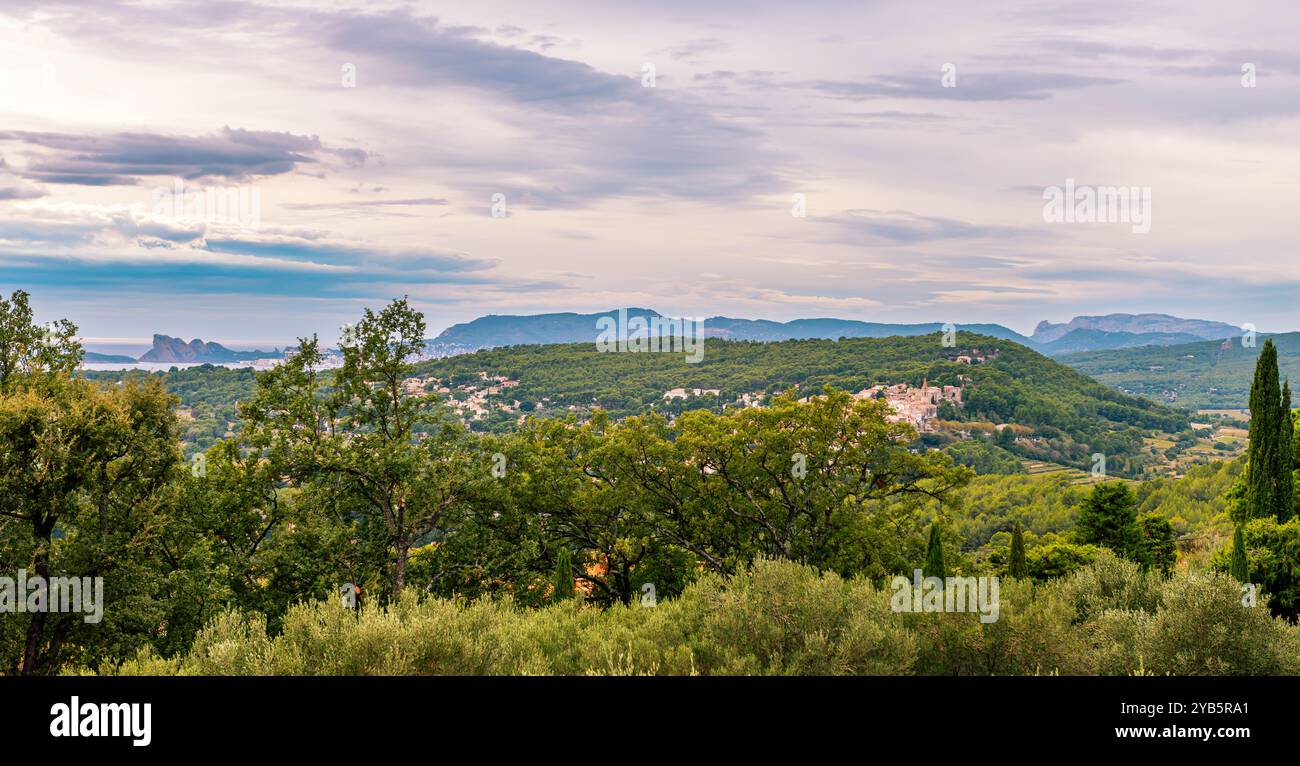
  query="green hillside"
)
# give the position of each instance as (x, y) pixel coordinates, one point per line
(1068, 415)
(1204, 375)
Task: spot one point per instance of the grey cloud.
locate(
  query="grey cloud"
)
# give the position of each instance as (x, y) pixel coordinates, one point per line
(591, 135)
(1206, 62)
(122, 158)
(419, 51)
(71, 233)
(366, 203)
(599, 135)
(347, 253)
(692, 49)
(904, 227)
(1092, 49)
(21, 192)
(16, 188)
(861, 120)
(970, 86)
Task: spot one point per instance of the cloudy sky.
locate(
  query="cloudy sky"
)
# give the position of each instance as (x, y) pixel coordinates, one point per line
(376, 139)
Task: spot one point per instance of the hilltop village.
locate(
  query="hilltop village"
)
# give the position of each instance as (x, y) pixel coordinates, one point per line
(918, 406)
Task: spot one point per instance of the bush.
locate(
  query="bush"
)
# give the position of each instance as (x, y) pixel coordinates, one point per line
(1056, 559)
(1199, 628)
(782, 618)
(776, 618)
(1110, 583)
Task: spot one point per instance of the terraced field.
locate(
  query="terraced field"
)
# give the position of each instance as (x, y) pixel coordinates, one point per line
(1076, 476)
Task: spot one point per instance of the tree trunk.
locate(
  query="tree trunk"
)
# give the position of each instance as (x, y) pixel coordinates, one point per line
(623, 582)
(399, 570)
(36, 628)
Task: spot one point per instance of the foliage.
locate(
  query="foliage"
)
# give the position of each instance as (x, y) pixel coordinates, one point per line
(358, 440)
(776, 618)
(30, 353)
(934, 566)
(1240, 567)
(1158, 545)
(1109, 518)
(985, 458)
(562, 588)
(1058, 559)
(1017, 565)
(86, 476)
(209, 397)
(1271, 553)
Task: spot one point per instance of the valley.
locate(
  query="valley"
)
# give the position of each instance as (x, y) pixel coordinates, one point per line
(1205, 375)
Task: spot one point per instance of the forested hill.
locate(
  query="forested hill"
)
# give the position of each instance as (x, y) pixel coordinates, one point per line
(1013, 384)
(1208, 374)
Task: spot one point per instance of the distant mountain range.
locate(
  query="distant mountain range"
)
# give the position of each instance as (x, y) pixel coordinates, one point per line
(169, 349)
(1084, 333)
(497, 330)
(1137, 324)
(1081, 334)
(1084, 339)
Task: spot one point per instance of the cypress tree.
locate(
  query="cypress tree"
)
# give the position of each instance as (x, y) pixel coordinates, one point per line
(563, 580)
(1294, 417)
(1295, 443)
(1018, 566)
(1286, 432)
(1264, 463)
(1240, 566)
(934, 566)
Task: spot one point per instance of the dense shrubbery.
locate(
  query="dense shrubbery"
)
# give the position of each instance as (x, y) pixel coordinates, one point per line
(776, 618)
(1273, 548)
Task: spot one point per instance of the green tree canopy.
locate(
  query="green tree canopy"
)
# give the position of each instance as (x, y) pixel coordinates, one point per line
(1108, 517)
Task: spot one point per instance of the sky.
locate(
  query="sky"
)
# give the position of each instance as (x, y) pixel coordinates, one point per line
(882, 161)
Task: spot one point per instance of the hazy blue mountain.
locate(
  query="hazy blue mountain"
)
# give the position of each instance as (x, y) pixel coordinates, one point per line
(798, 329)
(509, 330)
(1138, 324)
(1083, 333)
(501, 330)
(93, 357)
(1082, 339)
